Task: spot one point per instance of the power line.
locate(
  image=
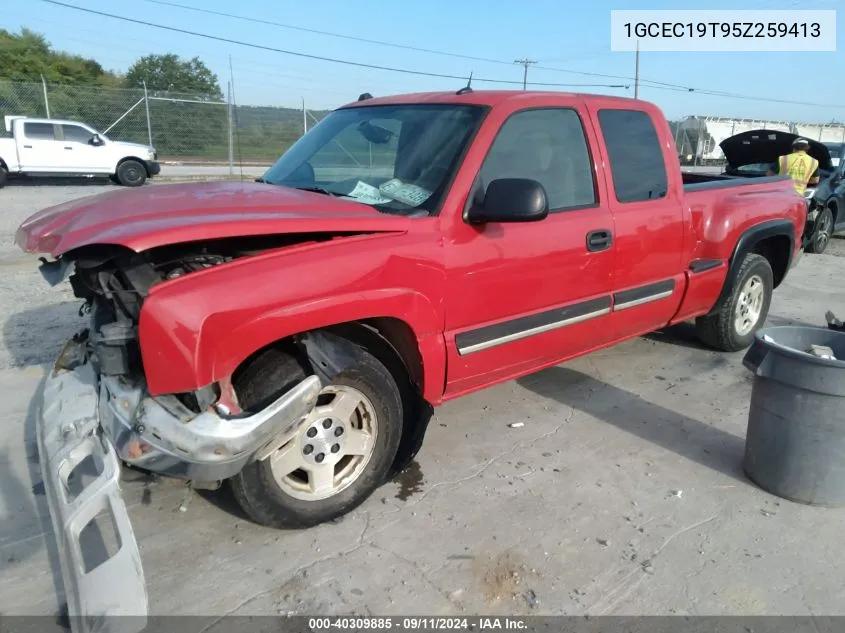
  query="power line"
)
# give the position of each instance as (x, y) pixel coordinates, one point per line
(326, 33)
(370, 41)
(406, 71)
(730, 95)
(649, 82)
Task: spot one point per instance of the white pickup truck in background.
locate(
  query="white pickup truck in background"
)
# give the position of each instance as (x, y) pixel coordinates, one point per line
(52, 147)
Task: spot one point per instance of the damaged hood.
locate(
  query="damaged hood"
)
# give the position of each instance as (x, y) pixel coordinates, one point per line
(764, 146)
(158, 215)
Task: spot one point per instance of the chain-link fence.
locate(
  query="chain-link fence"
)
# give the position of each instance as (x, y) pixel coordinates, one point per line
(182, 127)
(203, 129)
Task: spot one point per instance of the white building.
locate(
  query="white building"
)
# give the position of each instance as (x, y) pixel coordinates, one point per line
(701, 135)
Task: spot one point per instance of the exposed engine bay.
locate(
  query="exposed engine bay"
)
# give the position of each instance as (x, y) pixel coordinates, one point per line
(113, 282)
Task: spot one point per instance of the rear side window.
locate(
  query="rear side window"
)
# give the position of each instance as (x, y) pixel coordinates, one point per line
(636, 158)
(547, 145)
(41, 131)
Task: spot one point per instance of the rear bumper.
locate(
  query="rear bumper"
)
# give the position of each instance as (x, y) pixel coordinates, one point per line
(85, 417)
(153, 167)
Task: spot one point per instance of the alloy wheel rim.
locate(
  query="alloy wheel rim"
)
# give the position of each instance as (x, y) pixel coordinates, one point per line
(332, 447)
(749, 306)
(823, 232)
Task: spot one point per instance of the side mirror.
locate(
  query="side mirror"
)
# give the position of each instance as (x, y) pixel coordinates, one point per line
(96, 141)
(511, 200)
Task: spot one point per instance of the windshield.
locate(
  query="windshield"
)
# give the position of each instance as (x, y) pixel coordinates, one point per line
(397, 158)
(836, 151)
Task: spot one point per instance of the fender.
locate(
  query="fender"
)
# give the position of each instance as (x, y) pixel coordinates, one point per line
(223, 341)
(744, 245)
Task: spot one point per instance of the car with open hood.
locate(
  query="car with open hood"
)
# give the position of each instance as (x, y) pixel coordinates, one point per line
(754, 153)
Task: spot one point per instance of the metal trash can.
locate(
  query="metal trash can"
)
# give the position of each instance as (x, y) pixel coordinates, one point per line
(795, 443)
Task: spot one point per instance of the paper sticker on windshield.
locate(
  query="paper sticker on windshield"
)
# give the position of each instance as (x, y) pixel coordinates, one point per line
(367, 194)
(412, 195)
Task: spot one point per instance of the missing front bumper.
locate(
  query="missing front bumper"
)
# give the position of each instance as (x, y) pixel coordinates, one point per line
(101, 591)
(86, 427)
(162, 436)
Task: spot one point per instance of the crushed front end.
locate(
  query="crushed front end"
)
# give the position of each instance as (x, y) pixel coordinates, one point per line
(97, 411)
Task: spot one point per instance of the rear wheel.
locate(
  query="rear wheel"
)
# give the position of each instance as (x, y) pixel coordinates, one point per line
(339, 456)
(733, 328)
(822, 232)
(131, 173)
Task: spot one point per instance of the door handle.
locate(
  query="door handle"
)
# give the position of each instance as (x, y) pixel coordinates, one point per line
(68, 147)
(27, 146)
(599, 240)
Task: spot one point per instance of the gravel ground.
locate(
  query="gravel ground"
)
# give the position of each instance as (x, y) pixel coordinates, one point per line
(621, 494)
(38, 318)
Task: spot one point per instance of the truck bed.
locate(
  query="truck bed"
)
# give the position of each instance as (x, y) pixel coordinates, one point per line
(706, 182)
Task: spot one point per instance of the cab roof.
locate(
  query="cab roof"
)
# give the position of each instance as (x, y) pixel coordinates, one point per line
(10, 119)
(490, 98)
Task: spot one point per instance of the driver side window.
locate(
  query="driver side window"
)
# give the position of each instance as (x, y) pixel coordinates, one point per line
(76, 134)
(549, 146)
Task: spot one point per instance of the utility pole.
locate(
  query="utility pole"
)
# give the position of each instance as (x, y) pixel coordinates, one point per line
(525, 63)
(233, 105)
(147, 108)
(304, 118)
(637, 71)
(230, 119)
(46, 100)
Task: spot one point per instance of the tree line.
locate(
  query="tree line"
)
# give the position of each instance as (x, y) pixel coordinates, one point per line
(81, 89)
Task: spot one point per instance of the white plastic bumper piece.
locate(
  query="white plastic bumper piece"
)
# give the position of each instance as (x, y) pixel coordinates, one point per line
(104, 587)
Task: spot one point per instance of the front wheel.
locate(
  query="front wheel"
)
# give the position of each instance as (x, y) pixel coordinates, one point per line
(733, 328)
(4, 174)
(131, 173)
(339, 456)
(822, 231)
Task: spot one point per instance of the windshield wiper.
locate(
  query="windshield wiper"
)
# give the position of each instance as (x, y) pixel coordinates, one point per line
(322, 190)
(261, 180)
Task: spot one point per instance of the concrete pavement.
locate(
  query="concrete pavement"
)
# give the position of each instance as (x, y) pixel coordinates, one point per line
(621, 494)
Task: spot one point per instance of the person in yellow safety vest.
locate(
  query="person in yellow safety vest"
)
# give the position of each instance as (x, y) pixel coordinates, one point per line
(799, 165)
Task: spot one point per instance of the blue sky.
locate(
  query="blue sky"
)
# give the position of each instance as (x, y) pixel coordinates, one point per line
(553, 32)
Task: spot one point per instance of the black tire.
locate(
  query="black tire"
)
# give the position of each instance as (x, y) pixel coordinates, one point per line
(719, 330)
(4, 174)
(255, 487)
(822, 232)
(131, 173)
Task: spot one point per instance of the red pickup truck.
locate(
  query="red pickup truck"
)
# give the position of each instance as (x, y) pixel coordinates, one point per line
(288, 336)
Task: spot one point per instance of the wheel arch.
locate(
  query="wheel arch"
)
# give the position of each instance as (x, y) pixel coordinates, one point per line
(774, 240)
(394, 343)
(137, 160)
(390, 339)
